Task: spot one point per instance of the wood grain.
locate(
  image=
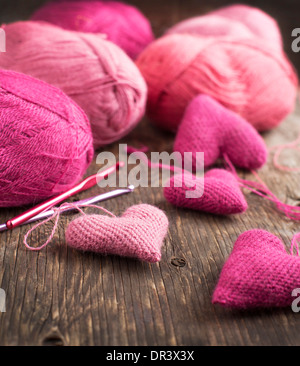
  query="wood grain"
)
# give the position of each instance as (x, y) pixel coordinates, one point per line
(60, 296)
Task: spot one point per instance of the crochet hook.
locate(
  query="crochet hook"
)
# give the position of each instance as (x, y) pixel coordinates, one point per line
(87, 201)
(84, 185)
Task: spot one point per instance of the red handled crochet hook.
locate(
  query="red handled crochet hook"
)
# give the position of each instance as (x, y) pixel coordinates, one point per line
(84, 185)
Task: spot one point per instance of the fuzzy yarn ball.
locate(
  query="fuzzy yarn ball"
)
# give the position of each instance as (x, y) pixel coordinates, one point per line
(245, 73)
(219, 193)
(258, 273)
(123, 24)
(46, 143)
(210, 128)
(94, 72)
(138, 233)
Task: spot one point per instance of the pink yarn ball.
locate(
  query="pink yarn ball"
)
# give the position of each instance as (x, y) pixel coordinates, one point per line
(94, 72)
(123, 24)
(244, 72)
(138, 233)
(46, 141)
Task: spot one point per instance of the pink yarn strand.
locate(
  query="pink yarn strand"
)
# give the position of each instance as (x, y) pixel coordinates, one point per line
(56, 215)
(261, 189)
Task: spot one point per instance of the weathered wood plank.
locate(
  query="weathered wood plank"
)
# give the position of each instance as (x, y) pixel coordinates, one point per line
(63, 297)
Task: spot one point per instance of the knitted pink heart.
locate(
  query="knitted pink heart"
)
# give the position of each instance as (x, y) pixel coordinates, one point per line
(209, 127)
(258, 273)
(138, 233)
(221, 192)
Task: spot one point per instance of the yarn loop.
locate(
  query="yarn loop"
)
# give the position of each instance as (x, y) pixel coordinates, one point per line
(94, 72)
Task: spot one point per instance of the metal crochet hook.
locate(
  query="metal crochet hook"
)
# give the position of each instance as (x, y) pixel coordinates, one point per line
(44, 206)
(87, 201)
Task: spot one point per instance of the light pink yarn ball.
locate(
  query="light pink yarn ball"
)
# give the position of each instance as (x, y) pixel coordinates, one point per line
(46, 143)
(94, 72)
(224, 56)
(123, 24)
(232, 21)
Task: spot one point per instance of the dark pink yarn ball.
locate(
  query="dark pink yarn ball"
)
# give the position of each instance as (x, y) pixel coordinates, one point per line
(46, 142)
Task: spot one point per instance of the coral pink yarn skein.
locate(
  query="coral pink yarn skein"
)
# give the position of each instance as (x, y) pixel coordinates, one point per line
(46, 142)
(138, 233)
(243, 73)
(123, 24)
(94, 72)
(235, 20)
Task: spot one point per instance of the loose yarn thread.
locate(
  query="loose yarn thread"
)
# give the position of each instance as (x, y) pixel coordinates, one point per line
(258, 273)
(278, 150)
(46, 140)
(295, 244)
(138, 233)
(56, 215)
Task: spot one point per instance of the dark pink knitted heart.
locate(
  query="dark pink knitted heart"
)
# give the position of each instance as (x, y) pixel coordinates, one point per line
(221, 192)
(209, 127)
(258, 273)
(138, 233)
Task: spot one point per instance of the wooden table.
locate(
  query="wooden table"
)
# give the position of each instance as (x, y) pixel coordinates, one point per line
(60, 296)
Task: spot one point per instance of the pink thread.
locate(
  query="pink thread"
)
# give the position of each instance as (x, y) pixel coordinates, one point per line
(131, 149)
(258, 273)
(279, 149)
(209, 127)
(46, 140)
(142, 157)
(295, 244)
(56, 215)
(234, 55)
(261, 189)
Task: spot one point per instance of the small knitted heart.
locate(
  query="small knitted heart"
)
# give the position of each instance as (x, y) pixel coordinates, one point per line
(221, 192)
(209, 127)
(138, 233)
(258, 273)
